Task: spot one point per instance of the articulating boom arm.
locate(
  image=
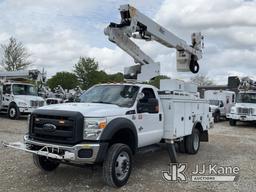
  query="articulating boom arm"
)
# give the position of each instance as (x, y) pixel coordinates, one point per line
(137, 25)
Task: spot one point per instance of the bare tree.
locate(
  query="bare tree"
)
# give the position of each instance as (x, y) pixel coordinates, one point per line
(15, 56)
(201, 80)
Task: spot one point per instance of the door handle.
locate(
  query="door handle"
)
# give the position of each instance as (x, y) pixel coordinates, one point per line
(140, 128)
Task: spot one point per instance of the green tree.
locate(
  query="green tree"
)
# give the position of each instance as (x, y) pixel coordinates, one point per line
(116, 77)
(201, 80)
(87, 72)
(66, 79)
(156, 81)
(15, 56)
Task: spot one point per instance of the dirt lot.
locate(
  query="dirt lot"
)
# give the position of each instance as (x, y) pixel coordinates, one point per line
(228, 146)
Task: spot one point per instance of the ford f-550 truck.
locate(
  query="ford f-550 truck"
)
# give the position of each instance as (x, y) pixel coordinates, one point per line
(113, 122)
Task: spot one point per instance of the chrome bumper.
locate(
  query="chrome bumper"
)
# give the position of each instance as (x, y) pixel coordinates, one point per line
(241, 117)
(69, 153)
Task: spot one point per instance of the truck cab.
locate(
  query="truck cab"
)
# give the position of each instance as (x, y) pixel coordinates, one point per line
(19, 98)
(244, 109)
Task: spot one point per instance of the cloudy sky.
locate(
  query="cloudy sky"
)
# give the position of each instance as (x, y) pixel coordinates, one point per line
(58, 32)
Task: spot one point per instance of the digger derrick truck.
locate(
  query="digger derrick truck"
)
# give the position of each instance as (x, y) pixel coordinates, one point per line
(114, 121)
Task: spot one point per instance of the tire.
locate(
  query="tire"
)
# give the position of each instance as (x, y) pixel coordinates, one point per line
(44, 163)
(232, 122)
(217, 117)
(193, 142)
(194, 66)
(13, 112)
(117, 165)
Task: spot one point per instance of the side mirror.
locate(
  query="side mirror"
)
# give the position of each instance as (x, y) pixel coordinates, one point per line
(140, 96)
(221, 104)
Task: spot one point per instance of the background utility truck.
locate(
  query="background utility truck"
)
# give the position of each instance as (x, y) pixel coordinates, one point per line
(114, 121)
(220, 102)
(245, 107)
(17, 97)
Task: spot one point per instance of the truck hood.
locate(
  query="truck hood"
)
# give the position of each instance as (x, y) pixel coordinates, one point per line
(90, 109)
(245, 105)
(213, 107)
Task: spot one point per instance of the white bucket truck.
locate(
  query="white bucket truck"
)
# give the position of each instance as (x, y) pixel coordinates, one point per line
(220, 102)
(114, 121)
(16, 97)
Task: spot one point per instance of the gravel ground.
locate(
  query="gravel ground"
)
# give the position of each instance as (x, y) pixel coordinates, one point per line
(228, 146)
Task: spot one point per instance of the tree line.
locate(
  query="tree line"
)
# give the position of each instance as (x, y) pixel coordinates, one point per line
(85, 73)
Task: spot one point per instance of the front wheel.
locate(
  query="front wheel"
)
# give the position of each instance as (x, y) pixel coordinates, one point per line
(232, 122)
(217, 117)
(13, 112)
(118, 165)
(193, 142)
(44, 163)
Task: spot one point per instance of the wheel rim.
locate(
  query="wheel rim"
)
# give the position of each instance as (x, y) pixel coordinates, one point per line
(122, 165)
(196, 142)
(12, 112)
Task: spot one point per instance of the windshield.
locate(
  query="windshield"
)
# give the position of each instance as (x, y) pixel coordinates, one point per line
(246, 98)
(121, 95)
(23, 89)
(214, 102)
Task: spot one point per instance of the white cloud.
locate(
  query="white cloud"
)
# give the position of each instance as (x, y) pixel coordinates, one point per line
(58, 32)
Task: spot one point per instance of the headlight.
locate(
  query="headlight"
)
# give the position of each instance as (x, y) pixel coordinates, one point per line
(233, 110)
(93, 127)
(22, 104)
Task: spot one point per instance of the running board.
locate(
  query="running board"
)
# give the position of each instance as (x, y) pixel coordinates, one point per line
(150, 148)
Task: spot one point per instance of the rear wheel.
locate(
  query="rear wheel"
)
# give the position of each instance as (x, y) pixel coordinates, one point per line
(232, 122)
(13, 112)
(182, 146)
(44, 163)
(193, 142)
(118, 165)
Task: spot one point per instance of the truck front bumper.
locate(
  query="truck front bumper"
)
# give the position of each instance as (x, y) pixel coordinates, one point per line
(241, 117)
(26, 109)
(84, 153)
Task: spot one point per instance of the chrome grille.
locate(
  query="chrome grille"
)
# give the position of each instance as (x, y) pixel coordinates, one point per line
(244, 111)
(37, 103)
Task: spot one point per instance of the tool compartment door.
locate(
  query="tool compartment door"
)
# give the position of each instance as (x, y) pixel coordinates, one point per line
(188, 118)
(179, 119)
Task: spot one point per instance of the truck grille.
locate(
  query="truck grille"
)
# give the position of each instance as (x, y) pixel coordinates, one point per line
(244, 111)
(56, 126)
(36, 103)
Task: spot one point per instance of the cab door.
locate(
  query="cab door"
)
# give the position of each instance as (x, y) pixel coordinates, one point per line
(149, 119)
(6, 96)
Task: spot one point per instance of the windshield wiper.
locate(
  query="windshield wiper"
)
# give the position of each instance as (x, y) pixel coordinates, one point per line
(104, 102)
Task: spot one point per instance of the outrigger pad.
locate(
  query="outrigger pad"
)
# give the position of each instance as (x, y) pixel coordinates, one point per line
(172, 152)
